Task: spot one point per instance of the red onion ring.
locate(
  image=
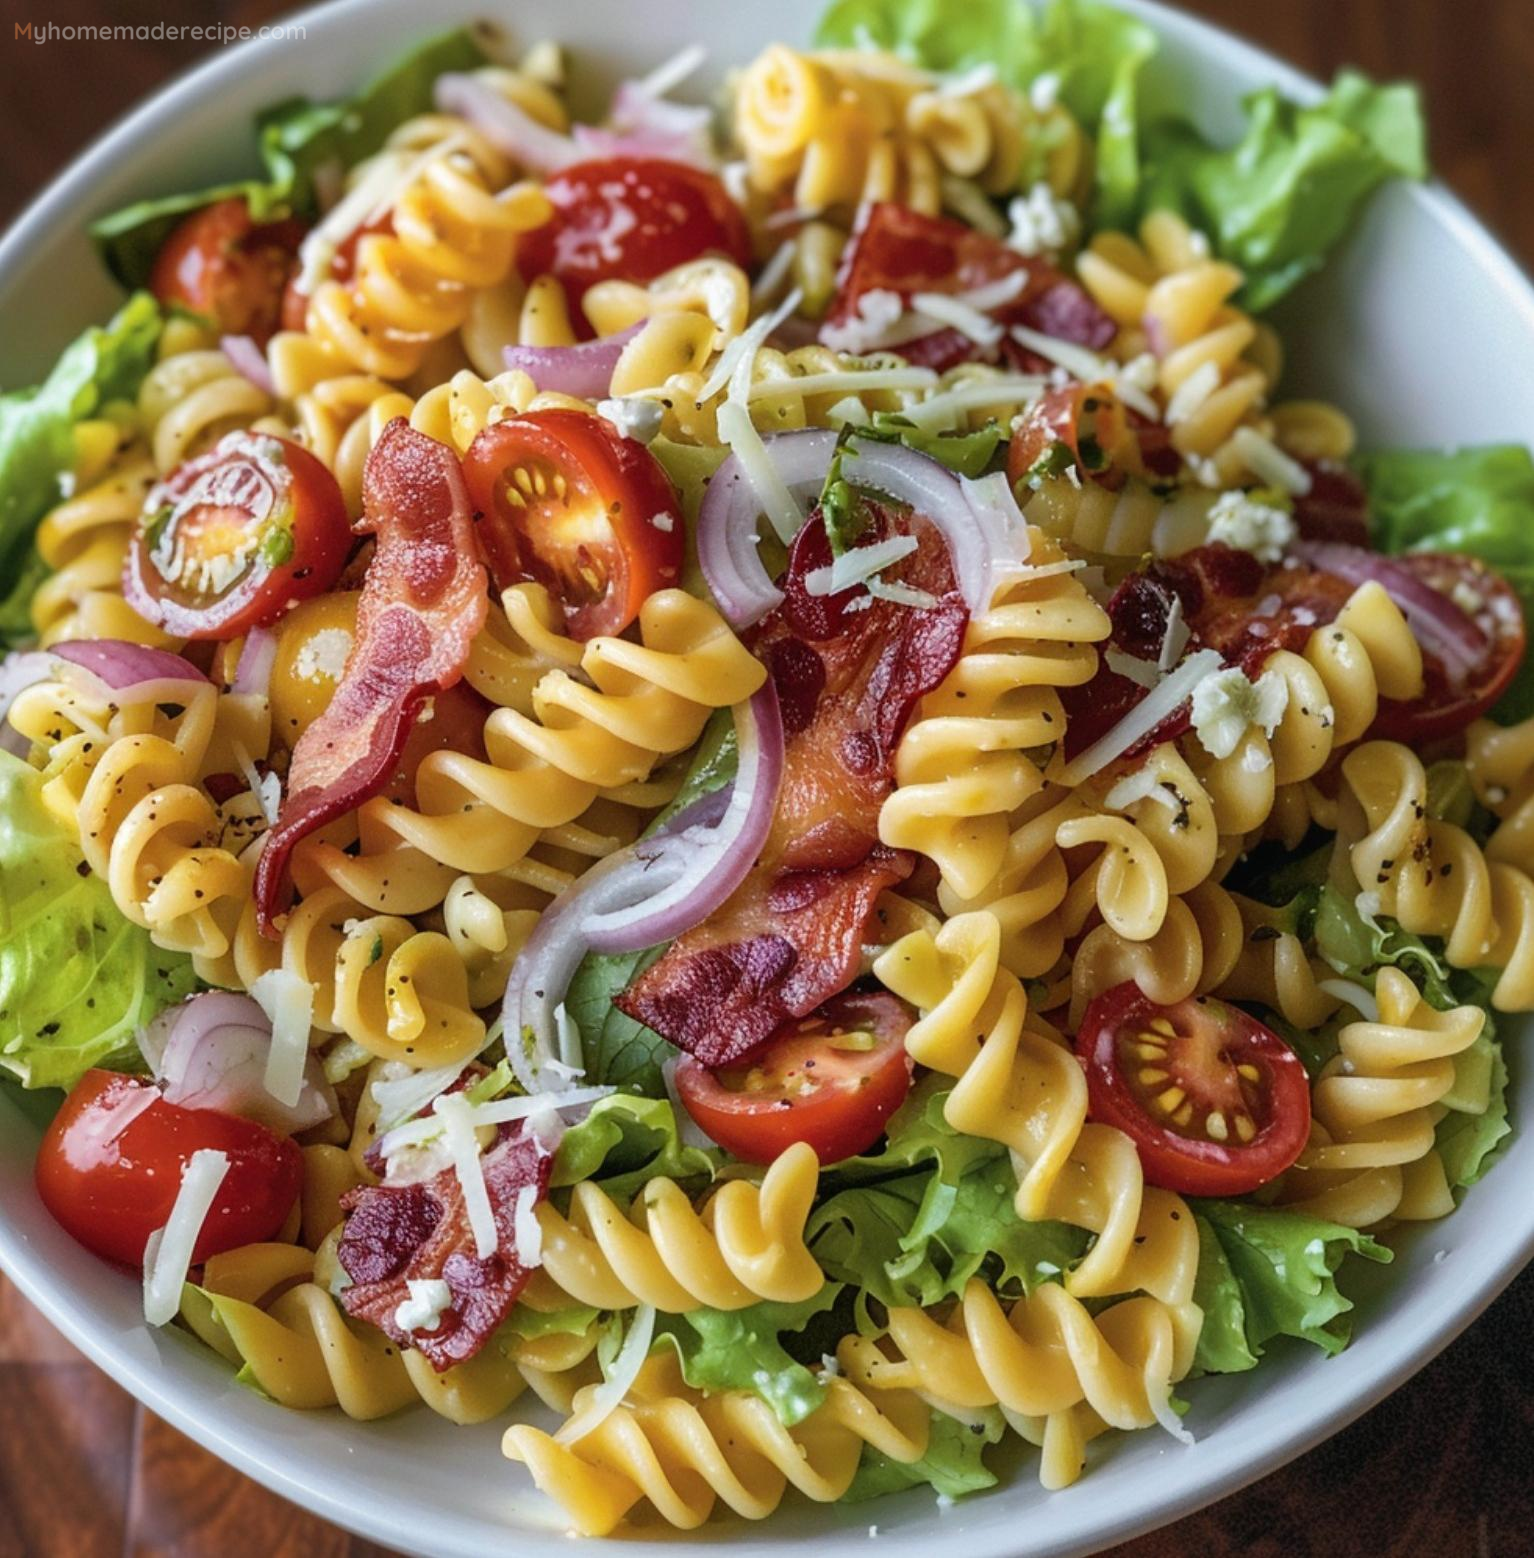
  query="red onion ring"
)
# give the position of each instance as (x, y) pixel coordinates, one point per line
(1439, 625)
(210, 1052)
(585, 370)
(249, 361)
(682, 871)
(132, 671)
(511, 130)
(19, 670)
(253, 672)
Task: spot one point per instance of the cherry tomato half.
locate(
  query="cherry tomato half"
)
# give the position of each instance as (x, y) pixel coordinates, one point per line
(219, 263)
(110, 1166)
(630, 218)
(562, 498)
(1215, 1103)
(231, 539)
(831, 1079)
(1496, 615)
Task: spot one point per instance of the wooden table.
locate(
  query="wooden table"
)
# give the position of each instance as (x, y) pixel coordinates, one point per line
(1444, 1469)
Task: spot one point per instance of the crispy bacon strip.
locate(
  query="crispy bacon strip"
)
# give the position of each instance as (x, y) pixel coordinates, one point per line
(423, 599)
(396, 1234)
(792, 934)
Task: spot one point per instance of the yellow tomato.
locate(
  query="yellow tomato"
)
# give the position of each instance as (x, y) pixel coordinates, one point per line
(313, 641)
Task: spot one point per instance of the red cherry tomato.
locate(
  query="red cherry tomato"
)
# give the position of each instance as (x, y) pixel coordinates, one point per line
(219, 263)
(110, 1166)
(231, 539)
(1215, 1103)
(560, 497)
(1491, 606)
(831, 1079)
(630, 218)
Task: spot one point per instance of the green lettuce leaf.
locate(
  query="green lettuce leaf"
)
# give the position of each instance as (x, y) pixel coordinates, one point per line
(1222, 1344)
(969, 454)
(1092, 55)
(1277, 201)
(294, 139)
(1478, 501)
(917, 1237)
(742, 1349)
(1284, 1264)
(617, 1049)
(624, 1142)
(1470, 1143)
(77, 979)
(953, 1465)
(529, 1324)
(37, 446)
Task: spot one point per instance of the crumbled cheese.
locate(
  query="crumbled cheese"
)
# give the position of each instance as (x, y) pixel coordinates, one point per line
(1044, 92)
(528, 1230)
(1175, 639)
(1240, 520)
(1268, 463)
(1467, 597)
(1192, 393)
(877, 312)
(322, 656)
(634, 416)
(856, 564)
(288, 1001)
(1257, 758)
(1143, 673)
(665, 523)
(168, 1253)
(1228, 703)
(423, 1310)
(1144, 784)
(1143, 718)
(1043, 223)
(830, 1365)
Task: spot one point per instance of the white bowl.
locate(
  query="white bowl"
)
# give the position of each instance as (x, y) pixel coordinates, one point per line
(1422, 327)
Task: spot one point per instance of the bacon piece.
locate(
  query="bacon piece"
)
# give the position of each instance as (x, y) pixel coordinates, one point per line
(1336, 508)
(847, 680)
(396, 1234)
(895, 249)
(423, 600)
(1092, 424)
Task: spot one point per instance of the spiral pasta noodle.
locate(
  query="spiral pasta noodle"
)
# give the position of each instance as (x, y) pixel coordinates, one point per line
(1500, 762)
(1371, 1154)
(190, 399)
(683, 1452)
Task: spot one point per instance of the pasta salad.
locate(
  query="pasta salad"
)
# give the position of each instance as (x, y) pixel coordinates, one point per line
(732, 787)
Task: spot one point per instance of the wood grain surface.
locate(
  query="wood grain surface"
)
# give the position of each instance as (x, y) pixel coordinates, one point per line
(1443, 1469)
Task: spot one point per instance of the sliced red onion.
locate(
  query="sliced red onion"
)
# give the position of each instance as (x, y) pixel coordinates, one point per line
(1438, 624)
(18, 671)
(132, 670)
(511, 130)
(643, 125)
(708, 862)
(728, 521)
(253, 673)
(585, 370)
(249, 361)
(645, 894)
(210, 1052)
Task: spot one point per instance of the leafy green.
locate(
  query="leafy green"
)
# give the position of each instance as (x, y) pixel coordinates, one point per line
(617, 1049)
(1091, 54)
(741, 1349)
(953, 1465)
(37, 446)
(1476, 501)
(1277, 201)
(529, 1324)
(295, 139)
(1469, 1143)
(1355, 944)
(1284, 1265)
(623, 1143)
(968, 454)
(1222, 1345)
(77, 979)
(916, 1221)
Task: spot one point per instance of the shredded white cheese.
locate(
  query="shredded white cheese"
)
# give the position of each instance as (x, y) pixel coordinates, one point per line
(1191, 394)
(735, 361)
(779, 266)
(429, 1298)
(1268, 463)
(901, 594)
(1142, 785)
(168, 1254)
(1175, 639)
(858, 563)
(943, 410)
(1144, 673)
(1087, 367)
(528, 1230)
(1227, 703)
(737, 430)
(609, 1395)
(961, 316)
(1243, 521)
(1143, 718)
(671, 73)
(401, 1093)
(1355, 995)
(288, 1001)
(455, 1112)
(1158, 1393)
(851, 380)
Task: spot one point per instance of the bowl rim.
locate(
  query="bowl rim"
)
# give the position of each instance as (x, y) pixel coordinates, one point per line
(1417, 1333)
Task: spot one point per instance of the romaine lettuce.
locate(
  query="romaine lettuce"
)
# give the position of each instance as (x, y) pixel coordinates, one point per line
(77, 979)
(1277, 201)
(623, 1143)
(953, 1465)
(1478, 501)
(296, 138)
